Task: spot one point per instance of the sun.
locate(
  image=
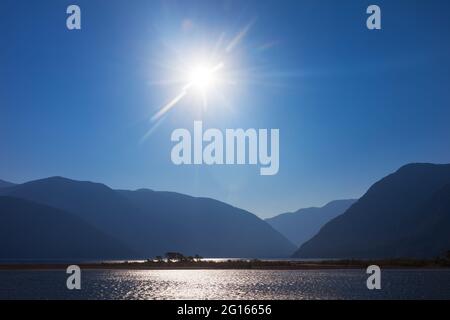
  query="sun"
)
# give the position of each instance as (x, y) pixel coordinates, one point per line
(204, 76)
(204, 72)
(201, 77)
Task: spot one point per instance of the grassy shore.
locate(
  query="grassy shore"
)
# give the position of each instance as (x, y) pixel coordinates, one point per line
(239, 264)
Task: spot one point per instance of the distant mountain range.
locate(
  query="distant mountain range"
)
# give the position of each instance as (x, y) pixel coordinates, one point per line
(146, 222)
(406, 214)
(303, 224)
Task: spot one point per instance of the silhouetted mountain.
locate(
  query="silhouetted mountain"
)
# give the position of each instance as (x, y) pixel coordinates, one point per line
(406, 214)
(95, 203)
(153, 223)
(208, 226)
(432, 235)
(5, 184)
(303, 224)
(31, 231)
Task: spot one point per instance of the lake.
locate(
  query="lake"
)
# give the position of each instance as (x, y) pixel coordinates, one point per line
(226, 284)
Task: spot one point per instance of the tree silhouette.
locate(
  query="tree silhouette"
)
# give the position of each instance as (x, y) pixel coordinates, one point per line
(175, 256)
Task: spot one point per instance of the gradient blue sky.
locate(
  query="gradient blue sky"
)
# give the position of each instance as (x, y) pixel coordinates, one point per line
(352, 105)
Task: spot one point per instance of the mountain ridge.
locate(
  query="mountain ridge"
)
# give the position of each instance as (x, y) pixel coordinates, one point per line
(392, 210)
(153, 222)
(6, 184)
(301, 225)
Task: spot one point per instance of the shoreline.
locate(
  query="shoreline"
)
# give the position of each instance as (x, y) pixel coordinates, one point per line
(235, 265)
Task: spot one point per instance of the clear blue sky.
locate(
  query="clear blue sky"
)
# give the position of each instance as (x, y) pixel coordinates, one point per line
(352, 105)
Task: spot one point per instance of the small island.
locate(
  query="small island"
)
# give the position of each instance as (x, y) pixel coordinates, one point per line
(178, 261)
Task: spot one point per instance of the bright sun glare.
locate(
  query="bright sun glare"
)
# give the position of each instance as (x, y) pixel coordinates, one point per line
(203, 76)
(206, 78)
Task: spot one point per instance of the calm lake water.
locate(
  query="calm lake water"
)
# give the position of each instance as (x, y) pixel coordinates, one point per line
(226, 284)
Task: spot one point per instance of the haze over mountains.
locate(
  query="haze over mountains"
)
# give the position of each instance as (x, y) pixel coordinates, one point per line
(406, 214)
(149, 223)
(301, 225)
